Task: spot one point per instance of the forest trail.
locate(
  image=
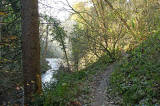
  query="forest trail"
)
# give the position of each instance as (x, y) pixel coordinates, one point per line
(98, 93)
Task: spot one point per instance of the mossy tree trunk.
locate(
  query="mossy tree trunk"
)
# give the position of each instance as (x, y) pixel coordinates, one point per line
(30, 50)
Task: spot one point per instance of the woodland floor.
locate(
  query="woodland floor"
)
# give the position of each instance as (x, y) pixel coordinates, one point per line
(98, 90)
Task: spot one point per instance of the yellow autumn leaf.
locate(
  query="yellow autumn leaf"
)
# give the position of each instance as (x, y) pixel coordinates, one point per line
(13, 37)
(5, 60)
(2, 13)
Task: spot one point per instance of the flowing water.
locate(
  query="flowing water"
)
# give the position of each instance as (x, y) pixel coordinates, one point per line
(55, 63)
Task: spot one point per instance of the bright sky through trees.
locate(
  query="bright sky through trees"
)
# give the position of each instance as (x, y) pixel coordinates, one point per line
(56, 8)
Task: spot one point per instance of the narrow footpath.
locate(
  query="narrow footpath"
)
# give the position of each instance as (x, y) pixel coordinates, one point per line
(98, 89)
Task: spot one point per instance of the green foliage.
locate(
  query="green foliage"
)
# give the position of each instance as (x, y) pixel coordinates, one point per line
(69, 85)
(79, 45)
(10, 50)
(10, 37)
(60, 33)
(65, 90)
(136, 79)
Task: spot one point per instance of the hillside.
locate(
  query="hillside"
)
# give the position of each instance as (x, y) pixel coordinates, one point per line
(136, 78)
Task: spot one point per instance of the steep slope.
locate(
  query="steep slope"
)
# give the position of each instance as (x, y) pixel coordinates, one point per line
(136, 79)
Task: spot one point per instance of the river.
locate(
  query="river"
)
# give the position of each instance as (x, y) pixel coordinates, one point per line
(55, 63)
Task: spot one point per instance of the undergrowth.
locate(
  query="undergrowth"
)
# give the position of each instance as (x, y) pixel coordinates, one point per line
(136, 80)
(70, 85)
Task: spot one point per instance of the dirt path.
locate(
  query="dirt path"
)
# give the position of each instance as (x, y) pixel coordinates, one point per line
(99, 93)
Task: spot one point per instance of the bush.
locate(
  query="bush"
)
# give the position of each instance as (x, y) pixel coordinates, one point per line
(65, 90)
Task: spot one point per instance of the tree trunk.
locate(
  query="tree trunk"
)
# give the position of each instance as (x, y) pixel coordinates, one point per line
(0, 36)
(65, 54)
(1, 30)
(46, 45)
(77, 65)
(30, 50)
